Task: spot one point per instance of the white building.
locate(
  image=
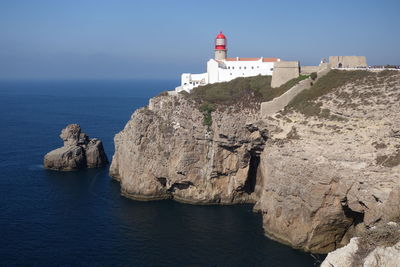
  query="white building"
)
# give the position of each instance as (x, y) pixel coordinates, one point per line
(224, 69)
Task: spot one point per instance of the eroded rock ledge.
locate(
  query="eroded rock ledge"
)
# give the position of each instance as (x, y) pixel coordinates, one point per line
(379, 246)
(79, 151)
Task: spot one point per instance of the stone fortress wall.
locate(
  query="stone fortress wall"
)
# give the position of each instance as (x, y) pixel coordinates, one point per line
(348, 62)
(284, 71)
(307, 70)
(279, 103)
(287, 70)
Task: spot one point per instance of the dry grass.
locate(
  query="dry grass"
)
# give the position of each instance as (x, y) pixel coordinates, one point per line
(381, 236)
(250, 89)
(305, 101)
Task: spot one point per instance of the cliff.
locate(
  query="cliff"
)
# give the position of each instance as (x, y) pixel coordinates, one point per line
(331, 166)
(168, 150)
(320, 172)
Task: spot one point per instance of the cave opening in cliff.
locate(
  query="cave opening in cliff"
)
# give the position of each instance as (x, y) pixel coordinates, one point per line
(251, 180)
(358, 217)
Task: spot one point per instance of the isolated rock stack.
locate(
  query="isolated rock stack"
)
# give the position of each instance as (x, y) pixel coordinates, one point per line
(78, 152)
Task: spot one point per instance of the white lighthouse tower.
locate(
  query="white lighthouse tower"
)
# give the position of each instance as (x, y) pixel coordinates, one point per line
(220, 47)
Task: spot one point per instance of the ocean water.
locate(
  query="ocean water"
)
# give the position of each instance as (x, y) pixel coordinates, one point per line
(50, 218)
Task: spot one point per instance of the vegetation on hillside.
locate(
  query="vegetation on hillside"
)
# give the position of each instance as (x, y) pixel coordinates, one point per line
(313, 76)
(305, 102)
(254, 89)
(248, 91)
(207, 109)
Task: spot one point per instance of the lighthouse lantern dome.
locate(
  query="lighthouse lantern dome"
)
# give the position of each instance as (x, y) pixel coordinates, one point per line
(220, 46)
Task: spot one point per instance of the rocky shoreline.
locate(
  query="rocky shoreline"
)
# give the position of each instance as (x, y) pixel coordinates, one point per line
(319, 175)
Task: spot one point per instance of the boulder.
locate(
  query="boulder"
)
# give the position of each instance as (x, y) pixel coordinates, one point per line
(78, 152)
(95, 156)
(379, 246)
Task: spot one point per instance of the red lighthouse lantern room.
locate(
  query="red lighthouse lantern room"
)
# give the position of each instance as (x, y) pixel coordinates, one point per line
(220, 46)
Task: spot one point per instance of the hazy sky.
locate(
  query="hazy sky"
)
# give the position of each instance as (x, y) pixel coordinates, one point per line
(84, 39)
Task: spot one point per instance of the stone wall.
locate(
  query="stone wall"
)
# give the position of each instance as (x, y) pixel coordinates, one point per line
(347, 61)
(306, 70)
(284, 71)
(279, 103)
(271, 107)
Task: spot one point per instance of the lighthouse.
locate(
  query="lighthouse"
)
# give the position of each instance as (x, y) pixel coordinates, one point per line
(223, 69)
(220, 47)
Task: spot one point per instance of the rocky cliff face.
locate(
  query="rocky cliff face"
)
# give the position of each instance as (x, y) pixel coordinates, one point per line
(328, 177)
(78, 151)
(318, 179)
(166, 151)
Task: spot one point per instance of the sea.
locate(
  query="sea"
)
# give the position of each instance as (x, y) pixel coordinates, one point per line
(50, 218)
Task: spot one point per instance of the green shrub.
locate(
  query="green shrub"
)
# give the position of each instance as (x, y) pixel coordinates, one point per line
(207, 109)
(165, 93)
(313, 76)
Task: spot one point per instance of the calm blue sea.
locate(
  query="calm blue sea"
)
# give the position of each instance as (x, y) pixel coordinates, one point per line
(52, 218)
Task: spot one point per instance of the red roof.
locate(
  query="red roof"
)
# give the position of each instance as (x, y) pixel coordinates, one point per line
(220, 36)
(271, 59)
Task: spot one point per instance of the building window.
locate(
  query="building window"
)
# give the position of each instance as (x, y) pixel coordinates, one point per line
(233, 68)
(252, 67)
(244, 67)
(231, 73)
(229, 68)
(240, 68)
(272, 69)
(258, 67)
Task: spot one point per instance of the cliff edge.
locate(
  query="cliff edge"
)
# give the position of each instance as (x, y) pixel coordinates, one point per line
(175, 148)
(320, 172)
(331, 166)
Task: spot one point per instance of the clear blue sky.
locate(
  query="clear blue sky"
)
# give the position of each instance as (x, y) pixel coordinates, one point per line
(85, 39)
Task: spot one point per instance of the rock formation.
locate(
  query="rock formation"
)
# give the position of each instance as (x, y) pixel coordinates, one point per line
(328, 176)
(78, 151)
(166, 151)
(379, 246)
(319, 173)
